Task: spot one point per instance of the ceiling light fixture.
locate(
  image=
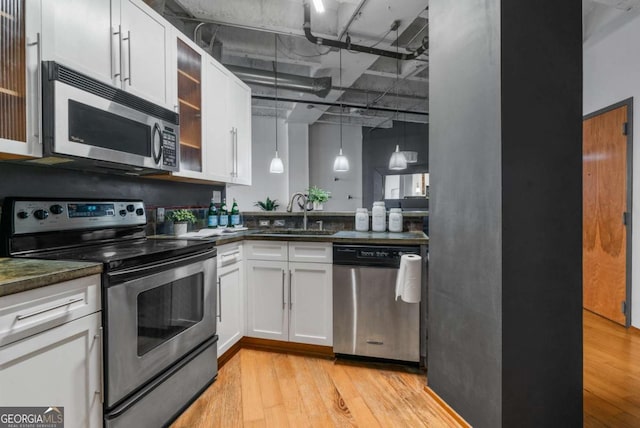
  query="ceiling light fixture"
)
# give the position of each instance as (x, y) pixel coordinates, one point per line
(318, 5)
(397, 161)
(276, 167)
(341, 164)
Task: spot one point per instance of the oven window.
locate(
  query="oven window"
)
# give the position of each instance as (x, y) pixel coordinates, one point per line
(99, 128)
(165, 311)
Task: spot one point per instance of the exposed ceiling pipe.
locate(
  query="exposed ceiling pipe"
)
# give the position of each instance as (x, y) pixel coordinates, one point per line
(319, 86)
(359, 48)
(347, 105)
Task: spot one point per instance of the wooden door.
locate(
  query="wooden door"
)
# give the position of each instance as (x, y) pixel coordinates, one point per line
(605, 202)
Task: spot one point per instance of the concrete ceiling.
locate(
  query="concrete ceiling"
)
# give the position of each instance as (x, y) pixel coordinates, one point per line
(373, 90)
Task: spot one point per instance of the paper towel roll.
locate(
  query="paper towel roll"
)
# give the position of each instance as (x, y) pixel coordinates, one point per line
(408, 283)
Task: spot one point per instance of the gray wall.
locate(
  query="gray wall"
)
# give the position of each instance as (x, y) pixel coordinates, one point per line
(324, 144)
(377, 146)
(505, 325)
(38, 181)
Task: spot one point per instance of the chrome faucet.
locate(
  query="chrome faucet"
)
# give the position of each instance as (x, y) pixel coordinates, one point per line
(305, 199)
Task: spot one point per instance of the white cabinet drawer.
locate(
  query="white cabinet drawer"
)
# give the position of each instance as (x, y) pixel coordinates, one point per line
(229, 254)
(311, 252)
(266, 250)
(33, 311)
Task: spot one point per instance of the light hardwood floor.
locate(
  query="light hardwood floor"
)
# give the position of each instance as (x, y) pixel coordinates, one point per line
(267, 389)
(611, 374)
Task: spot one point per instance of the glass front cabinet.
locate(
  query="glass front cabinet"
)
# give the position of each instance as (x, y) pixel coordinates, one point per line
(20, 50)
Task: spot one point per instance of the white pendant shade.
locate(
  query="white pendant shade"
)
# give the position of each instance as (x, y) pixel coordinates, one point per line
(276, 167)
(397, 161)
(341, 164)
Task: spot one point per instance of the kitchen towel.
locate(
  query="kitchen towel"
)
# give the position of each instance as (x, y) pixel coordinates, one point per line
(408, 283)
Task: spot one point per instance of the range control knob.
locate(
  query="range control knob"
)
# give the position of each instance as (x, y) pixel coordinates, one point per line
(41, 214)
(139, 211)
(23, 214)
(130, 208)
(56, 209)
(123, 213)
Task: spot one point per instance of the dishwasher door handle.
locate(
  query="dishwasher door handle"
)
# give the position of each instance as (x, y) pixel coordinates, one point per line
(375, 342)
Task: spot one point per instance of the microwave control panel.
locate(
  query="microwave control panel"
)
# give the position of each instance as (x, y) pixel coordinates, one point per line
(169, 147)
(59, 215)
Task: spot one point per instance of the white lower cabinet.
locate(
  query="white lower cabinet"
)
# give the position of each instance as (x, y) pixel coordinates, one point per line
(56, 367)
(287, 300)
(231, 302)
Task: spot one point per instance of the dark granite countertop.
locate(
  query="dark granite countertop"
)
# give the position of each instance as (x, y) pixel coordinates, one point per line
(379, 238)
(412, 214)
(17, 274)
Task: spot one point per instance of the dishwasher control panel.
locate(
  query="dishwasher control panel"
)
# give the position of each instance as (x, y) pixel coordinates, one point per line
(370, 255)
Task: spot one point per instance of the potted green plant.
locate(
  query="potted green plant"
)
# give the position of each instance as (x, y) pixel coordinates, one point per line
(318, 197)
(268, 204)
(180, 219)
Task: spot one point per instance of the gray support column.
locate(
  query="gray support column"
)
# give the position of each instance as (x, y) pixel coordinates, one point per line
(505, 324)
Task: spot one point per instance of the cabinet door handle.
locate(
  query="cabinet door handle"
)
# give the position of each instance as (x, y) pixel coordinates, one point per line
(114, 70)
(284, 304)
(38, 103)
(128, 39)
(119, 33)
(41, 311)
(236, 148)
(100, 336)
(230, 254)
(290, 295)
(220, 299)
(233, 149)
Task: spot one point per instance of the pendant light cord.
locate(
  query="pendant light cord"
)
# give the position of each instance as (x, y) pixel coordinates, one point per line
(340, 72)
(397, 81)
(275, 72)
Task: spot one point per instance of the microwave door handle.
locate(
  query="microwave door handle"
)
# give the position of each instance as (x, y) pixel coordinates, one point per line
(156, 154)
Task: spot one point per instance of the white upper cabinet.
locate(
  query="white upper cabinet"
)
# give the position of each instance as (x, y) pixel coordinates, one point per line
(219, 133)
(228, 112)
(145, 52)
(121, 42)
(240, 101)
(80, 34)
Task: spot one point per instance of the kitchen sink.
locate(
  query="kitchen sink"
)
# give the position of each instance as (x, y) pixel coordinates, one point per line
(308, 232)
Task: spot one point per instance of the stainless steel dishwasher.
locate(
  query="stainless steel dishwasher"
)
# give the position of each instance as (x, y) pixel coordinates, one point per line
(367, 319)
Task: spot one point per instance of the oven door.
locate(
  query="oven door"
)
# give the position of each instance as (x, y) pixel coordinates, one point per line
(155, 315)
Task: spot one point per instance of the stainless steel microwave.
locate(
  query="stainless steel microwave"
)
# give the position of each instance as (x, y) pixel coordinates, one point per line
(90, 125)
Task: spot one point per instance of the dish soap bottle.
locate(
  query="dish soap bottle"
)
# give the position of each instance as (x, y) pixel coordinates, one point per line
(235, 214)
(212, 215)
(224, 214)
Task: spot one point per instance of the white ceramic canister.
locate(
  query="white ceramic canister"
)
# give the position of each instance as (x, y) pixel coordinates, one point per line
(379, 217)
(362, 220)
(395, 220)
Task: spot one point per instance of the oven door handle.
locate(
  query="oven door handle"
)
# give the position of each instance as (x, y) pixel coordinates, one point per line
(154, 268)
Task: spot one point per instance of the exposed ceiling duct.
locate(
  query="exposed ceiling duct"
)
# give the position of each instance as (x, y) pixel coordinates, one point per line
(358, 48)
(319, 86)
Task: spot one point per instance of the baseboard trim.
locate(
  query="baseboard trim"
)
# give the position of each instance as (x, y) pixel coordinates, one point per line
(459, 419)
(287, 347)
(222, 359)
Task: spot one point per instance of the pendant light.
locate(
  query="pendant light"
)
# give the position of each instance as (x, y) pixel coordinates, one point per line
(341, 164)
(276, 167)
(398, 161)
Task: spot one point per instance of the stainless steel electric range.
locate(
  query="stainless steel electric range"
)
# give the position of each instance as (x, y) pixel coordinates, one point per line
(158, 299)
